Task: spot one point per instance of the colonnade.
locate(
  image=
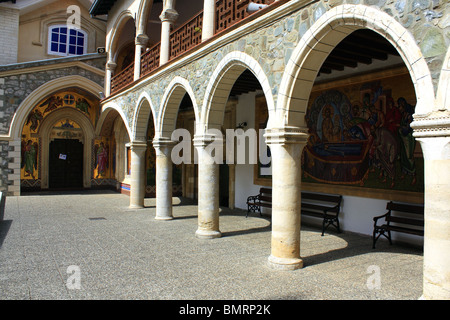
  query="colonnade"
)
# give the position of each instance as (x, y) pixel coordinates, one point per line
(168, 17)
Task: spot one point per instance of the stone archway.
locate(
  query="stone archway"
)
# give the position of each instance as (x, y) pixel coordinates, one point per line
(322, 38)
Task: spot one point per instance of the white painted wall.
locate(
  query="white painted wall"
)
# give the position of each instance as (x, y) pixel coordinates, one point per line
(357, 212)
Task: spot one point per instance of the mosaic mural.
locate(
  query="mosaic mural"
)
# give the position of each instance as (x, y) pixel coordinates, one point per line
(360, 135)
(64, 129)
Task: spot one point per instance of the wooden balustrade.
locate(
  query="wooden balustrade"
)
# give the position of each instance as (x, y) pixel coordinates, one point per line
(187, 36)
(150, 59)
(229, 12)
(126, 76)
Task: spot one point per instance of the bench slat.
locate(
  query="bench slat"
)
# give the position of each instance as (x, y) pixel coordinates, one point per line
(408, 208)
(413, 222)
(319, 207)
(403, 229)
(321, 197)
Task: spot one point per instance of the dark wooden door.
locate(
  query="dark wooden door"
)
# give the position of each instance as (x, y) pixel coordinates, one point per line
(66, 164)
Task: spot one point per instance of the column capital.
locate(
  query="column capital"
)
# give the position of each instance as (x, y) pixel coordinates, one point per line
(202, 141)
(286, 135)
(141, 39)
(162, 142)
(138, 146)
(111, 66)
(170, 15)
(435, 124)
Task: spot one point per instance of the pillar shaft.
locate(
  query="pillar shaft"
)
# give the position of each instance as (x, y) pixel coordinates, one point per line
(168, 17)
(163, 150)
(137, 192)
(209, 15)
(436, 271)
(208, 192)
(286, 147)
(110, 67)
(140, 45)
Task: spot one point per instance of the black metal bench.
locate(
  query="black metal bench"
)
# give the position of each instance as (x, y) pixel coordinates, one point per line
(263, 199)
(325, 206)
(405, 218)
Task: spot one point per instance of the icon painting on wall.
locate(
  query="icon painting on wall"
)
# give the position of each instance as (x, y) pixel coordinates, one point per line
(360, 135)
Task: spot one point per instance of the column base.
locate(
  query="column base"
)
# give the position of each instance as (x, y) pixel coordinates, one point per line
(207, 234)
(135, 206)
(284, 263)
(163, 218)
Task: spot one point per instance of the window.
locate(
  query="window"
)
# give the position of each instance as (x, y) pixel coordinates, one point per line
(64, 41)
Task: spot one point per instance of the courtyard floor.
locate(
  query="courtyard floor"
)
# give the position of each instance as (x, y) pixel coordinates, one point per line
(90, 245)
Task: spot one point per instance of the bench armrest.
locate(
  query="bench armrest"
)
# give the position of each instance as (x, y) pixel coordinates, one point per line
(253, 198)
(375, 219)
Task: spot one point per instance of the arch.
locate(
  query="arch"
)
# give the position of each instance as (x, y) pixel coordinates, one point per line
(115, 31)
(144, 109)
(107, 110)
(145, 7)
(49, 87)
(321, 39)
(171, 100)
(443, 92)
(88, 135)
(222, 80)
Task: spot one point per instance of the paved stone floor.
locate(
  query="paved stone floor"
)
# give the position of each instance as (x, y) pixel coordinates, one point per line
(50, 243)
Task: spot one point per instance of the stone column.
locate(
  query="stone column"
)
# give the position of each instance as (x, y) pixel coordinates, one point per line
(110, 67)
(140, 45)
(286, 145)
(208, 191)
(209, 17)
(433, 133)
(137, 177)
(163, 148)
(168, 17)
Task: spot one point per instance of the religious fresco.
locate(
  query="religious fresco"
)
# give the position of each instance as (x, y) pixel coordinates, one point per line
(104, 158)
(360, 135)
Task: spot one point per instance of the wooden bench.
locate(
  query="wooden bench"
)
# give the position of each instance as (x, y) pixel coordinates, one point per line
(405, 218)
(325, 206)
(263, 199)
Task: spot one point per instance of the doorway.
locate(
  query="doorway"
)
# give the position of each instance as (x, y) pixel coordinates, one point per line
(66, 164)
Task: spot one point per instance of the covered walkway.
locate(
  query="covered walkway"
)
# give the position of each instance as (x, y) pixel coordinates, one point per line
(51, 243)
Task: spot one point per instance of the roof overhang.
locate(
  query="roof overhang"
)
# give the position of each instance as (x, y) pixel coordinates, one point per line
(101, 7)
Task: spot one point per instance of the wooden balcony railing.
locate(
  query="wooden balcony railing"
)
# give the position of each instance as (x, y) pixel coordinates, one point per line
(229, 12)
(126, 76)
(150, 59)
(186, 37)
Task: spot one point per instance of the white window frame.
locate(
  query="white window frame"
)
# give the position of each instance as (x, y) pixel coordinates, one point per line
(57, 53)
